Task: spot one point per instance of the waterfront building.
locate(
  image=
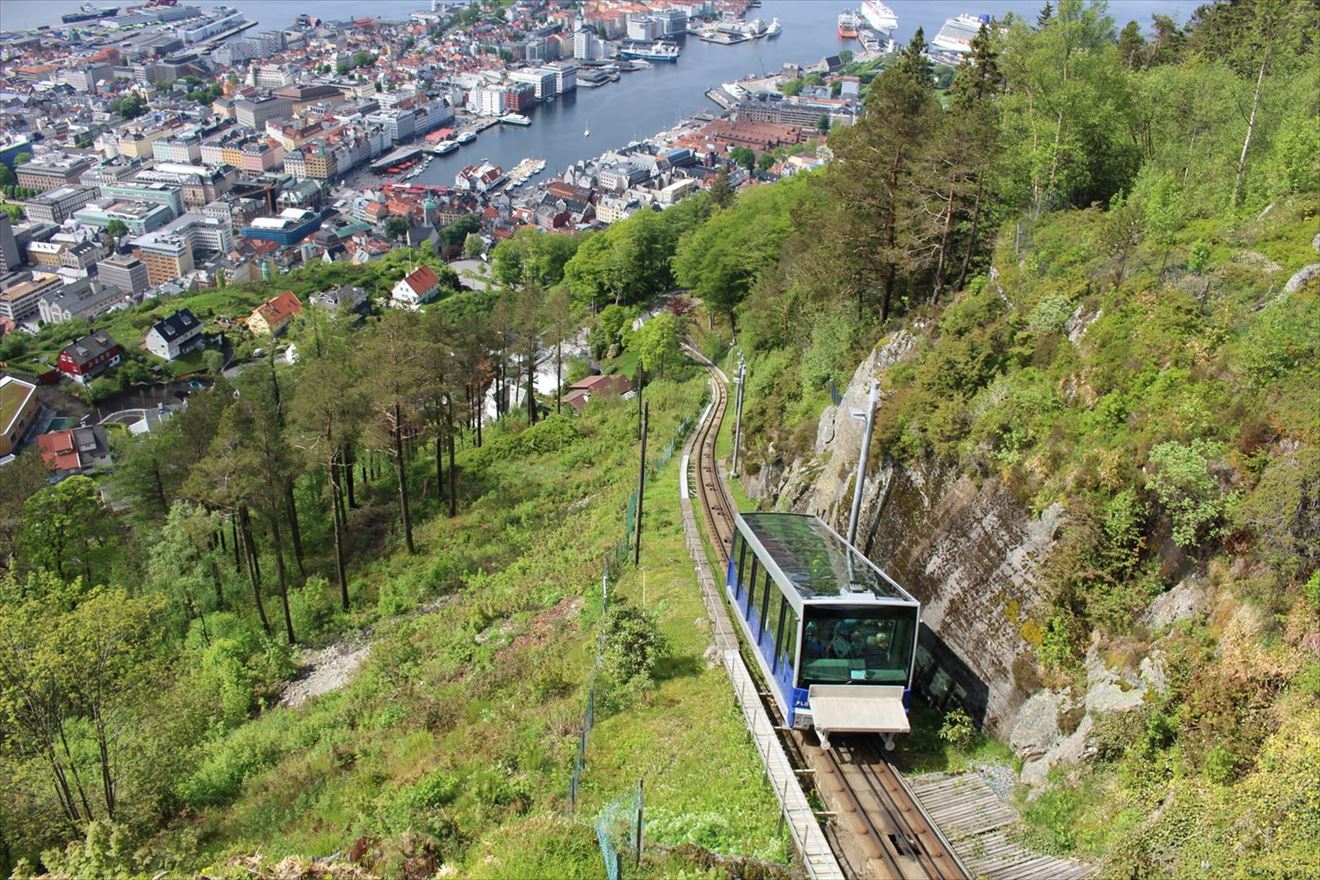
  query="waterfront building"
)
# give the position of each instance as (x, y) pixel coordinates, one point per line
(543, 80)
(565, 76)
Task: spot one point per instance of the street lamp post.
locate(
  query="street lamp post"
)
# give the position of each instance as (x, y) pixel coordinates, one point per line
(740, 381)
(869, 416)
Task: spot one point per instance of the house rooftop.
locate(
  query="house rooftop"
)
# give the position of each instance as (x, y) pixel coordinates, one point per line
(14, 395)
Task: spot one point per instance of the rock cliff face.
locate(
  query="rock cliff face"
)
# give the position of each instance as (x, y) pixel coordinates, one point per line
(969, 552)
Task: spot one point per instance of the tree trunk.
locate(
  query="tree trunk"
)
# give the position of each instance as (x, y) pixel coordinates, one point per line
(971, 244)
(77, 777)
(1251, 128)
(291, 506)
(336, 513)
(559, 376)
(103, 751)
(400, 467)
(439, 461)
(238, 562)
(453, 490)
(944, 248)
(347, 464)
(254, 568)
(278, 540)
(531, 389)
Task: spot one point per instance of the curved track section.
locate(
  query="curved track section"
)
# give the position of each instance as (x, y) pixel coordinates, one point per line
(880, 829)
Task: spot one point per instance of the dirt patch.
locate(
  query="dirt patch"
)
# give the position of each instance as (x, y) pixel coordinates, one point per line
(325, 670)
(546, 623)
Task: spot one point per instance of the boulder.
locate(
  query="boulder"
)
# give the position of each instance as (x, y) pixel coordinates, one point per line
(1303, 277)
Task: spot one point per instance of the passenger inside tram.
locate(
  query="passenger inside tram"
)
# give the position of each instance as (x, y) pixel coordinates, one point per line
(842, 648)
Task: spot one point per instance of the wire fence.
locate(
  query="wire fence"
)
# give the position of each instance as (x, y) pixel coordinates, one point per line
(619, 828)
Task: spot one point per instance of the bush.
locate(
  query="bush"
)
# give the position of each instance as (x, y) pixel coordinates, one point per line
(957, 728)
(633, 647)
(1179, 475)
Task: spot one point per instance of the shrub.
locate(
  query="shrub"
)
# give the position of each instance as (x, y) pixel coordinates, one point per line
(957, 728)
(633, 647)
(1050, 314)
(1179, 475)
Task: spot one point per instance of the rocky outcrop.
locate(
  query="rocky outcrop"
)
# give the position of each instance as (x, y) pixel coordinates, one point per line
(967, 550)
(1302, 277)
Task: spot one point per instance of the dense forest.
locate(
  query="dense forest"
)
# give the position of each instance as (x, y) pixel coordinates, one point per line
(1087, 233)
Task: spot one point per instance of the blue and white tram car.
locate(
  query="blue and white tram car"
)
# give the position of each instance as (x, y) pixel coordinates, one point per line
(835, 637)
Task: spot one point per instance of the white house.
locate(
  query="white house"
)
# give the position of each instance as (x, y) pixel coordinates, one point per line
(178, 334)
(417, 287)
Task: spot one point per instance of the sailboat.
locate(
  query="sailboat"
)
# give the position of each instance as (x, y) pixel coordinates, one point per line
(587, 131)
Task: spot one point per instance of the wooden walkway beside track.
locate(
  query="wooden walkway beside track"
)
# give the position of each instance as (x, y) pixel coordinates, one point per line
(981, 828)
(812, 846)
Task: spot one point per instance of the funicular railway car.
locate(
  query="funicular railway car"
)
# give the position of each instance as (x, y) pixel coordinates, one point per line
(835, 636)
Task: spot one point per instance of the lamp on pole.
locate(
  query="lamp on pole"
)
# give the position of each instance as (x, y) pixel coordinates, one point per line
(740, 380)
(868, 415)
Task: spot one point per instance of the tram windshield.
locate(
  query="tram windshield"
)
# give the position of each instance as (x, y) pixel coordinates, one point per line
(862, 645)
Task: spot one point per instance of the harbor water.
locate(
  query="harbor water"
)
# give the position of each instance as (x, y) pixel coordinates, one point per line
(642, 102)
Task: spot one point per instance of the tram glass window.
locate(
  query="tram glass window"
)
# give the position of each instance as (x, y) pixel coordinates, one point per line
(750, 582)
(740, 554)
(773, 615)
(787, 644)
(863, 645)
(768, 591)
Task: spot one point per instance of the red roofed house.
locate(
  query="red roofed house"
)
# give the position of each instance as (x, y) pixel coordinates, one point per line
(417, 287)
(73, 450)
(272, 316)
(582, 391)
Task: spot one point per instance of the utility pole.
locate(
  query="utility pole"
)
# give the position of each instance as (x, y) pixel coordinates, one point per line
(641, 487)
(869, 417)
(740, 381)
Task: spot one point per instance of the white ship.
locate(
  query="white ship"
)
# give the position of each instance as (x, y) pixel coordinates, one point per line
(774, 29)
(957, 34)
(515, 119)
(879, 17)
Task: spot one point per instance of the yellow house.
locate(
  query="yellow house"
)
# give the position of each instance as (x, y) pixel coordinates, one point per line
(272, 316)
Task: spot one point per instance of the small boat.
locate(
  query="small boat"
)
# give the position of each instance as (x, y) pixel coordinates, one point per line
(849, 24)
(587, 131)
(467, 137)
(447, 147)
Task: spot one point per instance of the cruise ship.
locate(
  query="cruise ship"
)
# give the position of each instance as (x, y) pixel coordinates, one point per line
(879, 17)
(849, 24)
(657, 51)
(955, 38)
(88, 12)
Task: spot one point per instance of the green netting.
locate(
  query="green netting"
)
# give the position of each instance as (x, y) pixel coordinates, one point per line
(619, 832)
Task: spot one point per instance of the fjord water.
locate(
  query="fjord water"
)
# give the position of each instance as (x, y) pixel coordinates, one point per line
(643, 102)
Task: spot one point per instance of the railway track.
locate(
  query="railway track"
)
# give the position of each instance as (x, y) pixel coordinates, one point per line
(880, 829)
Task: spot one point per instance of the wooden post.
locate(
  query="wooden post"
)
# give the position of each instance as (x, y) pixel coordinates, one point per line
(641, 488)
(640, 816)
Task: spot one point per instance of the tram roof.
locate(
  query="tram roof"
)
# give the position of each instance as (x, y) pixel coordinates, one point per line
(816, 561)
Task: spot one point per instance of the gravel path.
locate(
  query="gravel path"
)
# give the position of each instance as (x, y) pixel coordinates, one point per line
(325, 670)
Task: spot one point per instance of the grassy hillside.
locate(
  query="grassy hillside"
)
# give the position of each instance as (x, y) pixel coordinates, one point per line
(454, 744)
